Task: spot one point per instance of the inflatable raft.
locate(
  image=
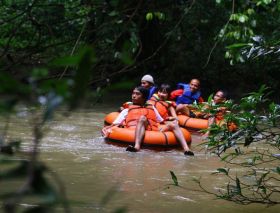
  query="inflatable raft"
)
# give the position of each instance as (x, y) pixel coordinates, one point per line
(193, 123)
(152, 138)
(198, 123)
(110, 118)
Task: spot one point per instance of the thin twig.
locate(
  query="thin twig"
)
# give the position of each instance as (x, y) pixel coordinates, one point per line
(74, 48)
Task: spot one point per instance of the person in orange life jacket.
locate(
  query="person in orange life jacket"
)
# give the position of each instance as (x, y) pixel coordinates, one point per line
(187, 96)
(147, 82)
(139, 116)
(219, 98)
(167, 111)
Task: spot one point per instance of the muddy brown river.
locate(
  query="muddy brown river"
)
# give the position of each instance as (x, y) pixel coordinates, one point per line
(140, 182)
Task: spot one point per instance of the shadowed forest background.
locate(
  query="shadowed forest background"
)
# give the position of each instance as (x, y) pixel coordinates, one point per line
(225, 43)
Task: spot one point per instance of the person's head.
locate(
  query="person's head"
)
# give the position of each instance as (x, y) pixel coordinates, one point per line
(220, 97)
(194, 85)
(139, 95)
(164, 91)
(147, 81)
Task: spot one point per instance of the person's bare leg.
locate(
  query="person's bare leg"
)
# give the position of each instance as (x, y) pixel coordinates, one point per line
(180, 137)
(139, 134)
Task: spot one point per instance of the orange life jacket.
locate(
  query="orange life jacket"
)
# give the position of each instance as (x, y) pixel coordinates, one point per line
(127, 104)
(161, 106)
(220, 114)
(135, 112)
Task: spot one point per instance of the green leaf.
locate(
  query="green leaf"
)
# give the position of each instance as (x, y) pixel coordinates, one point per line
(228, 155)
(266, 1)
(210, 98)
(238, 187)
(174, 178)
(242, 18)
(113, 13)
(223, 170)
(149, 16)
(238, 45)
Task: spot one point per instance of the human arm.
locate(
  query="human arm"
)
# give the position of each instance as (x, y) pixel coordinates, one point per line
(158, 116)
(173, 114)
(118, 121)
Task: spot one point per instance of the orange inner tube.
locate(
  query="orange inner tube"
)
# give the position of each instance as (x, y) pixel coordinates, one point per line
(110, 118)
(195, 123)
(152, 138)
(198, 123)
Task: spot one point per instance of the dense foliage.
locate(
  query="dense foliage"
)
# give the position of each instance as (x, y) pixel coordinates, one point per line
(170, 39)
(254, 147)
(43, 98)
(250, 153)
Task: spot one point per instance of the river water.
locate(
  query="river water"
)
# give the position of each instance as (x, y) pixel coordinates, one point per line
(93, 170)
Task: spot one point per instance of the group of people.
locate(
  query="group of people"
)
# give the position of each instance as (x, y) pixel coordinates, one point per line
(151, 106)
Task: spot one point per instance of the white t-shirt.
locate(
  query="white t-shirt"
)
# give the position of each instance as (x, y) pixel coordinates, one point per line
(121, 117)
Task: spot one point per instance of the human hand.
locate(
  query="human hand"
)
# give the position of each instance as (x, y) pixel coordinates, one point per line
(106, 130)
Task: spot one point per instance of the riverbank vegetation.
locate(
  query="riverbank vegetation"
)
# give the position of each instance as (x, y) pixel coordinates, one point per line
(54, 52)
(254, 147)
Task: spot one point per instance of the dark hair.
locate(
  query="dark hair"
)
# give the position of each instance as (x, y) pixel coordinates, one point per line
(165, 87)
(145, 92)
